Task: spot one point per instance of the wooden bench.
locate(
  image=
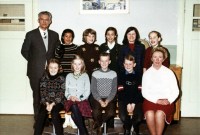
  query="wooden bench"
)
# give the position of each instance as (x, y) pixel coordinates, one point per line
(62, 114)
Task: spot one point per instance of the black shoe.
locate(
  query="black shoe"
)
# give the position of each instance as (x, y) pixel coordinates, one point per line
(127, 132)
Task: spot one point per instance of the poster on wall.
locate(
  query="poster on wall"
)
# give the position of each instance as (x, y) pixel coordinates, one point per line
(104, 6)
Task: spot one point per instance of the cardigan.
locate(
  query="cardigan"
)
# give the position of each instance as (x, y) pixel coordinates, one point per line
(138, 52)
(147, 60)
(128, 91)
(79, 88)
(159, 84)
(90, 54)
(52, 90)
(114, 61)
(65, 54)
(104, 84)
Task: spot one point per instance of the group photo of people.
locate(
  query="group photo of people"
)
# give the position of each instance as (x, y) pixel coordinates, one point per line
(92, 80)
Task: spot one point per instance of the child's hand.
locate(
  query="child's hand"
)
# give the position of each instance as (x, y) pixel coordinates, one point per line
(101, 103)
(130, 107)
(72, 98)
(76, 99)
(106, 102)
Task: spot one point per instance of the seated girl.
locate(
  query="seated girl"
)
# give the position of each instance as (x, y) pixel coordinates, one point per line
(52, 89)
(77, 92)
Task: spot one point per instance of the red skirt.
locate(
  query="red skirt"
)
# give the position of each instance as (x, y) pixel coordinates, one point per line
(167, 109)
(83, 106)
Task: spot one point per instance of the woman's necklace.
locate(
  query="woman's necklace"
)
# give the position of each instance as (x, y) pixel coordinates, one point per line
(77, 75)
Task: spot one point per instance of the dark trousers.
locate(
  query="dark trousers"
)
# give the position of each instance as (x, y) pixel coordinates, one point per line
(110, 111)
(42, 116)
(35, 86)
(78, 119)
(136, 118)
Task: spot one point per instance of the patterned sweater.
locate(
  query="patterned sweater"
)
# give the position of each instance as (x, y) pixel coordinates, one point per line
(65, 54)
(52, 90)
(104, 84)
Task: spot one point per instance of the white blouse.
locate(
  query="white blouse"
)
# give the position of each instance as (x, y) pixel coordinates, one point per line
(159, 84)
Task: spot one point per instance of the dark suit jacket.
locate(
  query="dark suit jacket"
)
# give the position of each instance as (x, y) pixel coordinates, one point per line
(34, 51)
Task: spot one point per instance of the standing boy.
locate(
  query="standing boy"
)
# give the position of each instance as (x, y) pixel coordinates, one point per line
(129, 96)
(104, 89)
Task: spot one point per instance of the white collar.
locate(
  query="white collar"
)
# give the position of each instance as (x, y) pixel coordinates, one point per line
(110, 46)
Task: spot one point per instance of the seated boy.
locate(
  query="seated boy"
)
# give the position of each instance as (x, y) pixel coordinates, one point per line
(129, 96)
(104, 89)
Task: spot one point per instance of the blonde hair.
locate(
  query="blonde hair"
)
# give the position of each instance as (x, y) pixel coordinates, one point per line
(130, 58)
(60, 70)
(77, 57)
(160, 49)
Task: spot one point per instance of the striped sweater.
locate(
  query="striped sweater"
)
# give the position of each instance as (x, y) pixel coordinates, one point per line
(65, 54)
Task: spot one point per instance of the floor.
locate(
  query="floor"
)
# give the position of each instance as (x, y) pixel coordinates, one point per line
(23, 125)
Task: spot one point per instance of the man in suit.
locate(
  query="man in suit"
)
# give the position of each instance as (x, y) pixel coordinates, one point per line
(38, 48)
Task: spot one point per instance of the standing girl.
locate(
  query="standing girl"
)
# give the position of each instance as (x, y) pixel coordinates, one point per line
(77, 92)
(52, 91)
(132, 45)
(111, 46)
(154, 39)
(66, 51)
(89, 51)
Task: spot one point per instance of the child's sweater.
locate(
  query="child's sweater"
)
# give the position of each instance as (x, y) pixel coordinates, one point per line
(104, 84)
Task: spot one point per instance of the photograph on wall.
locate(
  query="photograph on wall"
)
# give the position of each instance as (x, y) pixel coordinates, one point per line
(104, 6)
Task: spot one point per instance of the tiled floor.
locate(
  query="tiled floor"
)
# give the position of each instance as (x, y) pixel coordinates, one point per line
(23, 125)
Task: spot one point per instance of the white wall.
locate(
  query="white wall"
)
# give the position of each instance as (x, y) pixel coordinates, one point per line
(145, 15)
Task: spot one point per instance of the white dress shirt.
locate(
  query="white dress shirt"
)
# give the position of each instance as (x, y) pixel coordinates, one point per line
(159, 84)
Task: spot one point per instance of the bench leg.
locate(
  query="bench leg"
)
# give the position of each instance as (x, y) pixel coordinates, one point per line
(54, 131)
(104, 127)
(131, 133)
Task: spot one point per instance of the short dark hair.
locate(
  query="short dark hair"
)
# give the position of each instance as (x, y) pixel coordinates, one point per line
(160, 49)
(87, 32)
(115, 31)
(104, 54)
(45, 13)
(125, 40)
(130, 58)
(67, 31)
(60, 70)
